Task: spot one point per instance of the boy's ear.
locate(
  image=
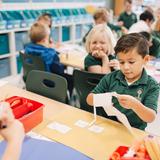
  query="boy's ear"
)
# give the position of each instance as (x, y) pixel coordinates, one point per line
(146, 58)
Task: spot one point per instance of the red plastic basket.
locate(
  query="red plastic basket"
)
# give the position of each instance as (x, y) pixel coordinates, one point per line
(29, 112)
(120, 151)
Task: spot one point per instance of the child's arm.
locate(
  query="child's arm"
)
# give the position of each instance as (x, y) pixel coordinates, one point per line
(105, 68)
(129, 102)
(13, 133)
(90, 99)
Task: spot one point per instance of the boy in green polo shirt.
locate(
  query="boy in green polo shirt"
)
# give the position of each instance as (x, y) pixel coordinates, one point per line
(137, 92)
(127, 18)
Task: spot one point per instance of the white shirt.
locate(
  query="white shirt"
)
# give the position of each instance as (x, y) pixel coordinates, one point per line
(140, 26)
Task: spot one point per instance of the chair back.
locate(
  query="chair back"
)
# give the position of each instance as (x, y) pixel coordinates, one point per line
(47, 84)
(31, 62)
(84, 83)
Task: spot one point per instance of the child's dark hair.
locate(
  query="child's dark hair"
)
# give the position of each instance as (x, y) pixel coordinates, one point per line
(146, 35)
(132, 41)
(146, 15)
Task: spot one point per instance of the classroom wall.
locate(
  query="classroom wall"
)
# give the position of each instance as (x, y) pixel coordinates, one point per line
(110, 4)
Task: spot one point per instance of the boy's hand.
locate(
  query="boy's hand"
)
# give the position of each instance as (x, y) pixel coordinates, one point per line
(127, 101)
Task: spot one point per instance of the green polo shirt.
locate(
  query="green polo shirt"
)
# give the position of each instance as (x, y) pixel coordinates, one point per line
(146, 89)
(156, 34)
(114, 27)
(92, 61)
(154, 50)
(128, 19)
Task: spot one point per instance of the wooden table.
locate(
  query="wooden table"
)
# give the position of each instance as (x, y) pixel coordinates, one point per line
(72, 55)
(100, 146)
(72, 61)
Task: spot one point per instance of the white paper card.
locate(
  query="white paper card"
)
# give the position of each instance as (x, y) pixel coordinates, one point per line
(81, 123)
(122, 118)
(59, 127)
(105, 100)
(96, 129)
(102, 99)
(38, 136)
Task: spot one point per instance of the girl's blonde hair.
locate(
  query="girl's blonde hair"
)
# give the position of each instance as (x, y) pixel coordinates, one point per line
(101, 29)
(157, 26)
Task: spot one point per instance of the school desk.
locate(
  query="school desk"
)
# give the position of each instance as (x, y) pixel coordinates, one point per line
(75, 61)
(72, 55)
(98, 146)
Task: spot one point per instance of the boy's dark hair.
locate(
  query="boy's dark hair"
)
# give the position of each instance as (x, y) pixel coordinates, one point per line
(132, 41)
(146, 35)
(146, 15)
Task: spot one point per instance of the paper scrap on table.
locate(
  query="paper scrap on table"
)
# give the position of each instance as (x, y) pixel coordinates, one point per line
(81, 123)
(38, 136)
(96, 129)
(105, 100)
(59, 127)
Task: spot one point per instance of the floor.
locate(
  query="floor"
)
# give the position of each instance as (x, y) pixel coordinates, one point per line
(152, 128)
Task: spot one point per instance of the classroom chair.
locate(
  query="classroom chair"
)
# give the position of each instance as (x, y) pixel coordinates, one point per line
(84, 82)
(31, 62)
(47, 84)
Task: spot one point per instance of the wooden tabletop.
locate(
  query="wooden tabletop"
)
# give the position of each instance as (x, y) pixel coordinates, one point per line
(96, 146)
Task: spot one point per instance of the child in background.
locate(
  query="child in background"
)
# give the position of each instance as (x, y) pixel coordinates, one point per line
(39, 35)
(100, 48)
(101, 16)
(46, 19)
(154, 45)
(13, 133)
(127, 18)
(137, 92)
(39, 46)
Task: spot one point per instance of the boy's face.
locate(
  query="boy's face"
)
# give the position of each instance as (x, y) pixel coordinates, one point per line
(131, 64)
(99, 42)
(128, 7)
(99, 21)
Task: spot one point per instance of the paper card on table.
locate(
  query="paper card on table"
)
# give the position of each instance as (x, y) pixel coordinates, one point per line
(38, 136)
(102, 99)
(81, 123)
(96, 129)
(59, 127)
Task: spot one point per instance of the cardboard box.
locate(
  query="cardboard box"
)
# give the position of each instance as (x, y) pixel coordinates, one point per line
(29, 112)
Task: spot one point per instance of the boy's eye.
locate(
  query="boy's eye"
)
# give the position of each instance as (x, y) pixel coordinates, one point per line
(131, 62)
